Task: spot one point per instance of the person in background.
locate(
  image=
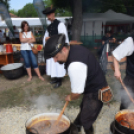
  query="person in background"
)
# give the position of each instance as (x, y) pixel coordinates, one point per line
(86, 78)
(55, 70)
(108, 38)
(16, 34)
(125, 49)
(2, 37)
(27, 38)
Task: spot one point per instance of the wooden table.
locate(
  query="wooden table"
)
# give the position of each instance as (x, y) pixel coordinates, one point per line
(6, 58)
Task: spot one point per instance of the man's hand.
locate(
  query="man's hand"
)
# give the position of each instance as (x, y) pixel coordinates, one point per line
(72, 96)
(117, 74)
(103, 42)
(47, 38)
(68, 98)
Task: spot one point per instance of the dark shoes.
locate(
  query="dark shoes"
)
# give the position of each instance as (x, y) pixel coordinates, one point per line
(58, 84)
(79, 128)
(53, 81)
(89, 131)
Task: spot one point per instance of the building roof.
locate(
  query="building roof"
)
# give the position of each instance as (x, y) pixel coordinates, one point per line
(13, 15)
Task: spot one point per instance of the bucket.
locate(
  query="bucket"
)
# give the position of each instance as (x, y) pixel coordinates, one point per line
(9, 48)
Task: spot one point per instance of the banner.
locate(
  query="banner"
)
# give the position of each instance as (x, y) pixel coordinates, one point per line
(39, 7)
(5, 15)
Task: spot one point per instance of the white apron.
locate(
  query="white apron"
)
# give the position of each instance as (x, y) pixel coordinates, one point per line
(54, 69)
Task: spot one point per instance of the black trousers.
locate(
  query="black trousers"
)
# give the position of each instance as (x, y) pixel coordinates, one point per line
(125, 100)
(89, 110)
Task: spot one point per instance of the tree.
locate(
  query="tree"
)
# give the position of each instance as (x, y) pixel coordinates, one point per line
(6, 2)
(122, 6)
(76, 9)
(59, 11)
(27, 11)
(13, 12)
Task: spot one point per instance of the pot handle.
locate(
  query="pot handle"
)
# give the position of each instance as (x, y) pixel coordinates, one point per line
(125, 122)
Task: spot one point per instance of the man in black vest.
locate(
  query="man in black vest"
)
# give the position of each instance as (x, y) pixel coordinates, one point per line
(85, 75)
(55, 70)
(125, 49)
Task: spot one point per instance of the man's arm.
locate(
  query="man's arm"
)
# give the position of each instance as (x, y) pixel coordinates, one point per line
(72, 96)
(62, 29)
(77, 72)
(117, 72)
(46, 37)
(126, 48)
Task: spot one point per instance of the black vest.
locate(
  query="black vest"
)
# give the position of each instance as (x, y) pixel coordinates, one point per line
(53, 28)
(95, 77)
(130, 64)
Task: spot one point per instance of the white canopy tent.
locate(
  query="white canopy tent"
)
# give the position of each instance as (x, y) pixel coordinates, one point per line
(33, 22)
(93, 22)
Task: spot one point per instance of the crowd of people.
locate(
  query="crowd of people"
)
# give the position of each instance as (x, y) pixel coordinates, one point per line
(7, 36)
(84, 71)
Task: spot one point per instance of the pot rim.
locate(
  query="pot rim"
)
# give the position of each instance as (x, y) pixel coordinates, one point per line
(8, 69)
(37, 116)
(123, 112)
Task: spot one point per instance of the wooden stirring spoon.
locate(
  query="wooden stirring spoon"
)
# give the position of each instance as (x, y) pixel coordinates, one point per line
(61, 113)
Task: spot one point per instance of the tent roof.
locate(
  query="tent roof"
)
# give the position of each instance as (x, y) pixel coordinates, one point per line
(109, 15)
(31, 21)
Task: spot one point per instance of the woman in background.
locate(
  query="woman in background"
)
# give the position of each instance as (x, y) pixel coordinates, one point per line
(26, 39)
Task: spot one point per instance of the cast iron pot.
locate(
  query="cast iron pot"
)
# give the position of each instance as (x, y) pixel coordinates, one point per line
(118, 128)
(12, 71)
(70, 130)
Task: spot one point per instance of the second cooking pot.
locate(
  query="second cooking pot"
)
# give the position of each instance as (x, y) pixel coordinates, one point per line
(123, 123)
(13, 70)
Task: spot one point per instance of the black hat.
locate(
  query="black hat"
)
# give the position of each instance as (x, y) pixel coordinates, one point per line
(53, 45)
(49, 10)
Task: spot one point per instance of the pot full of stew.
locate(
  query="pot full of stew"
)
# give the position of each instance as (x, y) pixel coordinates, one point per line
(124, 122)
(45, 123)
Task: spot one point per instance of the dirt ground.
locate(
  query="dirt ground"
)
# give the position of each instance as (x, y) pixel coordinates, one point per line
(21, 100)
(19, 92)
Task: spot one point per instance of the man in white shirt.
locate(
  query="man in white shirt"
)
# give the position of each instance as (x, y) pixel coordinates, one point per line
(55, 70)
(125, 49)
(85, 75)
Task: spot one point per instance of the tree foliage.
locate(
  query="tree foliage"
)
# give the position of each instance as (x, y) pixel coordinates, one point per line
(27, 11)
(123, 6)
(13, 12)
(60, 11)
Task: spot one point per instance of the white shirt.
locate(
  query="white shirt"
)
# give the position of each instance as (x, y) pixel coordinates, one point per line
(26, 46)
(126, 48)
(77, 72)
(61, 29)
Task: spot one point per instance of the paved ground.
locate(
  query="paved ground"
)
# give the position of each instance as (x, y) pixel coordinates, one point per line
(12, 120)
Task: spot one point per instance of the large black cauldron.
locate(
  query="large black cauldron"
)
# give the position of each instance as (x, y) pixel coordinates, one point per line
(72, 129)
(12, 71)
(117, 127)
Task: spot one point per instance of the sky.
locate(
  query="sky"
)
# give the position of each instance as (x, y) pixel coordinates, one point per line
(18, 4)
